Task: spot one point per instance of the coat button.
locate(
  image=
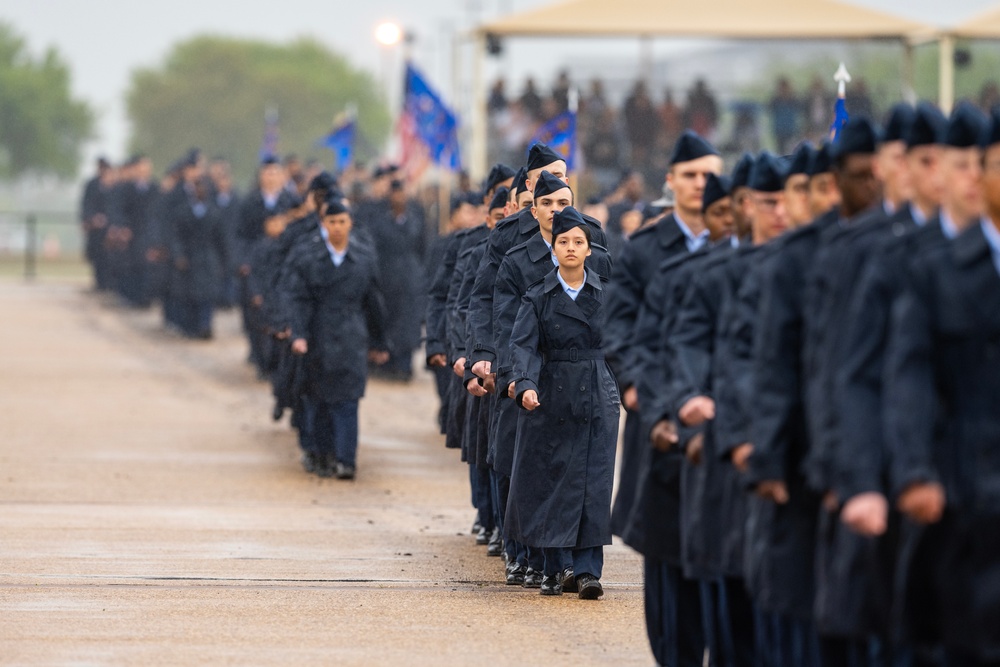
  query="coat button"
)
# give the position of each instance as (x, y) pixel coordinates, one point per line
(559, 388)
(583, 388)
(557, 327)
(584, 420)
(562, 420)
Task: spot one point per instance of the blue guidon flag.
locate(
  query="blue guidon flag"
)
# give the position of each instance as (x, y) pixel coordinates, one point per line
(559, 134)
(840, 115)
(341, 142)
(431, 121)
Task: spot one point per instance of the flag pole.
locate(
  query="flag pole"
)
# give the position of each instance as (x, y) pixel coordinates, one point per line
(842, 77)
(444, 200)
(573, 100)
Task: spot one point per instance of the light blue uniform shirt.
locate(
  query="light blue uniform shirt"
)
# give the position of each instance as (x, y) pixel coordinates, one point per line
(948, 225)
(337, 257)
(693, 241)
(555, 262)
(573, 293)
(918, 216)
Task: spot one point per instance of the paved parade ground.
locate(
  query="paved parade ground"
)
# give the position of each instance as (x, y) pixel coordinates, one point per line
(152, 513)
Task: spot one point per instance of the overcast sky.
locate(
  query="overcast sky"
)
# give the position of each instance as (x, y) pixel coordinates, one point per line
(105, 40)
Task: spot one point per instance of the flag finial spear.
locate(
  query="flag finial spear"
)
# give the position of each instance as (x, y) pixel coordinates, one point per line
(842, 77)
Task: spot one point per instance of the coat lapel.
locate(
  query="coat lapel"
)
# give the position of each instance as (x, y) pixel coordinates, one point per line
(587, 302)
(981, 281)
(526, 222)
(537, 249)
(669, 232)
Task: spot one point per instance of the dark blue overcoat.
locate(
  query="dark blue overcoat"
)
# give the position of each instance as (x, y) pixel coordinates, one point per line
(564, 456)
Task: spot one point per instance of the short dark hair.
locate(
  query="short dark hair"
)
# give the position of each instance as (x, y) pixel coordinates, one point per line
(586, 232)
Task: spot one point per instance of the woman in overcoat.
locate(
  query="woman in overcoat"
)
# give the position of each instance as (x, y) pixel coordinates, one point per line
(560, 490)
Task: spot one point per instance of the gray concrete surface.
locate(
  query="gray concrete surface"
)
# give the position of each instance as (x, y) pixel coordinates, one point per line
(152, 513)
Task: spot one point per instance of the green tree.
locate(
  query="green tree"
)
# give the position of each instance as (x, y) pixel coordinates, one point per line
(212, 92)
(42, 128)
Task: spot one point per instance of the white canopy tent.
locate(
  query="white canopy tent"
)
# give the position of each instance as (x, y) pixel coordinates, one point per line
(726, 19)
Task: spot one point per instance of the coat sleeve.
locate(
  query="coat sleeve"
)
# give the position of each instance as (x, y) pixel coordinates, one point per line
(858, 462)
(375, 315)
(910, 396)
(524, 341)
(625, 298)
(437, 298)
(299, 302)
(740, 327)
(480, 318)
(646, 360)
(693, 339)
(457, 307)
(506, 304)
(776, 360)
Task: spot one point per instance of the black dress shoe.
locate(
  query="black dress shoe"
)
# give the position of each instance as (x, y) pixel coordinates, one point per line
(495, 545)
(568, 580)
(590, 587)
(550, 585)
(345, 471)
(532, 578)
(515, 574)
(309, 462)
(483, 537)
(476, 527)
(325, 465)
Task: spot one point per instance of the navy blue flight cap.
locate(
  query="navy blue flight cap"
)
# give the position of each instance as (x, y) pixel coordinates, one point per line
(547, 184)
(520, 181)
(324, 180)
(741, 172)
(498, 174)
(821, 162)
(457, 201)
(267, 161)
(859, 136)
(768, 174)
(800, 159)
(500, 197)
(965, 127)
(565, 220)
(652, 210)
(928, 127)
(385, 170)
(540, 155)
(897, 123)
(335, 204)
(991, 135)
(716, 188)
(691, 147)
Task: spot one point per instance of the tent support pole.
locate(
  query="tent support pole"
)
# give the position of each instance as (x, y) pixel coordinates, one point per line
(646, 59)
(477, 161)
(946, 73)
(909, 91)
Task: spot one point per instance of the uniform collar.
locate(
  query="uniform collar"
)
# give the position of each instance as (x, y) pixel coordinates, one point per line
(693, 241)
(572, 292)
(552, 281)
(992, 235)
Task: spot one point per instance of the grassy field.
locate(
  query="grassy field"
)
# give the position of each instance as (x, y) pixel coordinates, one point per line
(62, 270)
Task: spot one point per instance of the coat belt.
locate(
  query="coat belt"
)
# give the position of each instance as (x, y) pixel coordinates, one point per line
(575, 355)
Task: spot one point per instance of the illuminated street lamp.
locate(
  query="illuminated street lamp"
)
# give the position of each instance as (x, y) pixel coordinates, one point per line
(388, 34)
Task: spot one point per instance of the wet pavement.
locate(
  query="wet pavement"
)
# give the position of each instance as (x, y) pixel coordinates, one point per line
(151, 512)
